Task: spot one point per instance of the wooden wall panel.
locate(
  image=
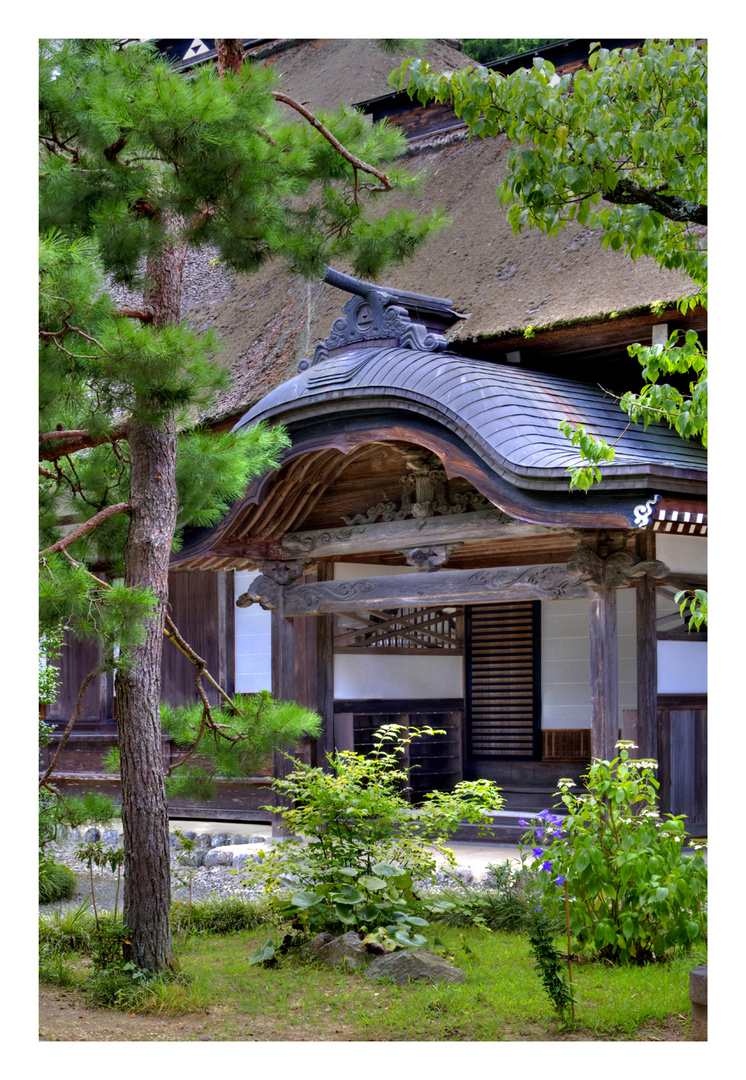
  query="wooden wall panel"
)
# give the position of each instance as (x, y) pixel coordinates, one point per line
(76, 661)
(202, 610)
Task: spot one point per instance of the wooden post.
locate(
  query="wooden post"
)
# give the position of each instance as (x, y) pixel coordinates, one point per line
(283, 689)
(647, 654)
(325, 674)
(604, 673)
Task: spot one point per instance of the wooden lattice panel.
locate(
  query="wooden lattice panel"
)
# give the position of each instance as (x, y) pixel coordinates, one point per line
(431, 630)
(502, 661)
(571, 744)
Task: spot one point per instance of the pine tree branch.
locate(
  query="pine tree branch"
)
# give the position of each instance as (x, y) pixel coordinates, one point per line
(72, 441)
(143, 314)
(92, 674)
(87, 526)
(356, 162)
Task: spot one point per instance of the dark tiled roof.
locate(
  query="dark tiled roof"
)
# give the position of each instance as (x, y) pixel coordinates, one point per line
(507, 415)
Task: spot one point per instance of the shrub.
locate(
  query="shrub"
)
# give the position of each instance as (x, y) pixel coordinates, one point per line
(355, 814)
(634, 895)
(365, 842)
(56, 882)
(222, 915)
(72, 931)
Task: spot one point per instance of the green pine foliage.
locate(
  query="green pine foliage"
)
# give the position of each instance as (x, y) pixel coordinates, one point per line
(242, 740)
(136, 158)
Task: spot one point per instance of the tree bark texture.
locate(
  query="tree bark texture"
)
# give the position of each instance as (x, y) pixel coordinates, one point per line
(229, 54)
(153, 503)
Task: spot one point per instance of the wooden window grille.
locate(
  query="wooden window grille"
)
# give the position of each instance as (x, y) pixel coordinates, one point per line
(502, 680)
(401, 631)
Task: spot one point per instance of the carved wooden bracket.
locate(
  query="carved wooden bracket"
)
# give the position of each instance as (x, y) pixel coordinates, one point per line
(616, 570)
(262, 591)
(428, 558)
(283, 571)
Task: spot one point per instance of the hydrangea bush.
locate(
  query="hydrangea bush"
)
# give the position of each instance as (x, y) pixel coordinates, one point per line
(635, 894)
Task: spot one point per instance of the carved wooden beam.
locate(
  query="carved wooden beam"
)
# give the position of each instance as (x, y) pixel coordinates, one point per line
(552, 582)
(396, 535)
(616, 570)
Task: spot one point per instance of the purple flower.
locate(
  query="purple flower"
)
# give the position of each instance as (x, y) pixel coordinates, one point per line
(522, 822)
(538, 851)
(559, 880)
(546, 866)
(557, 835)
(539, 833)
(545, 814)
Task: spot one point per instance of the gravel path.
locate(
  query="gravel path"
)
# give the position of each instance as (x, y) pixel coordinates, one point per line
(213, 881)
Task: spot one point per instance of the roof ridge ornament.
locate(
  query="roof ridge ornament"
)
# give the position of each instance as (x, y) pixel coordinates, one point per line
(376, 316)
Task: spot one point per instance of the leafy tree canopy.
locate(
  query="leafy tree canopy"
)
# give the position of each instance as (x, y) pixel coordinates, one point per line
(619, 146)
(485, 50)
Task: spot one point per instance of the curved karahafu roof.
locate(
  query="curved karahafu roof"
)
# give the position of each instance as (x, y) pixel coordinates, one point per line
(508, 416)
(382, 377)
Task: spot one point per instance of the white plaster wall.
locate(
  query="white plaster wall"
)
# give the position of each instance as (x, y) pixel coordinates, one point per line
(682, 667)
(385, 677)
(565, 661)
(252, 641)
(682, 554)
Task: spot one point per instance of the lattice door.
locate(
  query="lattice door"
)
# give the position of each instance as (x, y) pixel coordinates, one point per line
(502, 667)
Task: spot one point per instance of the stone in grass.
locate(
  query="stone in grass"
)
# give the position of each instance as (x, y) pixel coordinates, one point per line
(413, 965)
(218, 858)
(220, 840)
(203, 840)
(91, 836)
(312, 947)
(238, 839)
(346, 951)
(109, 836)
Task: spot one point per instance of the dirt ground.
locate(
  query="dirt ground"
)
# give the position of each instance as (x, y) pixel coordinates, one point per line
(64, 1017)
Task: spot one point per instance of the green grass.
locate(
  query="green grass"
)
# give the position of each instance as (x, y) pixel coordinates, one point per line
(502, 998)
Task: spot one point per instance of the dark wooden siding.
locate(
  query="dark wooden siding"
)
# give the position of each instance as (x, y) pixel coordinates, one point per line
(76, 661)
(502, 686)
(202, 609)
(682, 758)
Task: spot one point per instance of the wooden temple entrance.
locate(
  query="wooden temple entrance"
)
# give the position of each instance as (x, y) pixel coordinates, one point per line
(420, 523)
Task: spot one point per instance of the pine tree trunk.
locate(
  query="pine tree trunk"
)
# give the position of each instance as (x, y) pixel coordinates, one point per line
(153, 499)
(229, 54)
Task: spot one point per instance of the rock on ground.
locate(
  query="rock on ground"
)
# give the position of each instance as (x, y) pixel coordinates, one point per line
(414, 965)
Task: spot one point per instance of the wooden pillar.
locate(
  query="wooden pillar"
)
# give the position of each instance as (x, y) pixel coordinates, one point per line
(604, 673)
(647, 654)
(325, 674)
(283, 689)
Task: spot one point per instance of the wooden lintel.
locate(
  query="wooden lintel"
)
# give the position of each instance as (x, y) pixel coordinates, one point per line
(394, 535)
(486, 586)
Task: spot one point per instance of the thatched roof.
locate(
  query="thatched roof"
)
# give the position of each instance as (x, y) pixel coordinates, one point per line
(271, 320)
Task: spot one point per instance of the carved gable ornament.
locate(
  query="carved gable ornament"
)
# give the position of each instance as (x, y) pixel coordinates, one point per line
(424, 494)
(373, 317)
